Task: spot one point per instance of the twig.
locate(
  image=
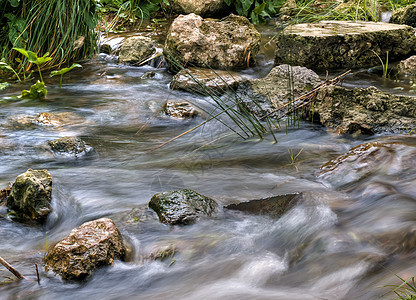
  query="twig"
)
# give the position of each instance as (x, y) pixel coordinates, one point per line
(37, 273)
(11, 269)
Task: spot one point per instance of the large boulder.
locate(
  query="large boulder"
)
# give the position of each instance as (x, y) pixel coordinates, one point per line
(204, 8)
(30, 196)
(405, 15)
(231, 43)
(70, 146)
(365, 111)
(284, 83)
(92, 245)
(136, 49)
(181, 207)
(206, 81)
(343, 44)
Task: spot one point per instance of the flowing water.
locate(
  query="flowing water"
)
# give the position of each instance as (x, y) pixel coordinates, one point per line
(354, 229)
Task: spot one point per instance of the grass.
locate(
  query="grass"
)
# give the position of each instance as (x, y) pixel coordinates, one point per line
(406, 290)
(65, 29)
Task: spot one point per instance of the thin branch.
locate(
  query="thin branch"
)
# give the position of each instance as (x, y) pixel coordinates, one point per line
(11, 269)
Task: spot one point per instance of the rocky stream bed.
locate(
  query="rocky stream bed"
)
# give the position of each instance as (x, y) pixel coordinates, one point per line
(327, 212)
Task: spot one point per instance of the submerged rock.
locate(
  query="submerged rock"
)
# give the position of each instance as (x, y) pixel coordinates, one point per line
(231, 43)
(44, 119)
(30, 196)
(88, 247)
(70, 146)
(179, 110)
(206, 8)
(206, 81)
(274, 206)
(181, 207)
(358, 163)
(136, 49)
(365, 111)
(343, 44)
(405, 15)
(282, 84)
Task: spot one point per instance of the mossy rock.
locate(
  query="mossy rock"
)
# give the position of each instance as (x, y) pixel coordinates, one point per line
(30, 196)
(181, 207)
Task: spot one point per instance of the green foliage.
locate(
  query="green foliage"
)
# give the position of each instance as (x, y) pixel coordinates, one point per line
(5, 66)
(3, 85)
(64, 28)
(406, 290)
(63, 71)
(256, 10)
(37, 91)
(34, 59)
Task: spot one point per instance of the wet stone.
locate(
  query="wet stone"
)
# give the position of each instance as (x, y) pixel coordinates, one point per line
(30, 196)
(274, 206)
(92, 245)
(179, 110)
(206, 81)
(181, 207)
(70, 146)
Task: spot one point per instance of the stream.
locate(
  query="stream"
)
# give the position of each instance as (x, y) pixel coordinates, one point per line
(337, 244)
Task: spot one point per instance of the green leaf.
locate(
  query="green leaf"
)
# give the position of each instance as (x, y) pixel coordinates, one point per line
(22, 51)
(14, 3)
(258, 9)
(3, 85)
(65, 70)
(36, 91)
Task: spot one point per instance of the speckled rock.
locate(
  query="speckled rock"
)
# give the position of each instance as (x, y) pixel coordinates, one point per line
(50, 120)
(405, 15)
(206, 81)
(408, 66)
(88, 247)
(179, 110)
(343, 44)
(283, 83)
(181, 207)
(231, 43)
(136, 49)
(364, 111)
(70, 146)
(204, 8)
(30, 196)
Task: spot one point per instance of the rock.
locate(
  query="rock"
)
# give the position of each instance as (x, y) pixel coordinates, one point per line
(265, 95)
(231, 43)
(364, 111)
(44, 119)
(206, 81)
(136, 49)
(205, 8)
(88, 247)
(405, 15)
(289, 8)
(31, 195)
(181, 207)
(105, 48)
(163, 252)
(179, 110)
(343, 44)
(70, 146)
(358, 163)
(274, 206)
(408, 66)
